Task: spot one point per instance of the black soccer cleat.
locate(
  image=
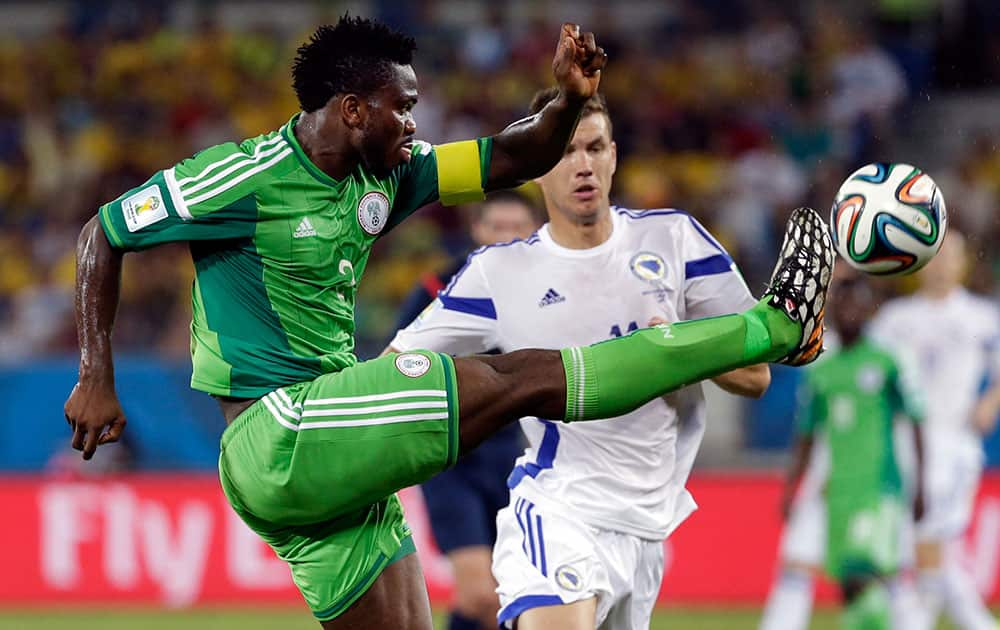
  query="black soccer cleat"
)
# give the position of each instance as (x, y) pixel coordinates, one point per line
(800, 281)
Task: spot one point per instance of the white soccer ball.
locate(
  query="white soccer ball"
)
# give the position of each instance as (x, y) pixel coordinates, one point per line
(888, 219)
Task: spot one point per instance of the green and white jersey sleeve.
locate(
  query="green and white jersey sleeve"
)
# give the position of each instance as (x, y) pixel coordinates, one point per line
(209, 196)
(454, 173)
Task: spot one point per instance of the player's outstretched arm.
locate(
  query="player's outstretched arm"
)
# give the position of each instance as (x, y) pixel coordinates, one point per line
(530, 147)
(93, 410)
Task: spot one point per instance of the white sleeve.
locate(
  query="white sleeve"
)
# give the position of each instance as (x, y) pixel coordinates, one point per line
(461, 321)
(713, 284)
(882, 327)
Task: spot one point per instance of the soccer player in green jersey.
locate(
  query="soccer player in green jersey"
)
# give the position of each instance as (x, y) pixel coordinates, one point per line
(280, 227)
(852, 398)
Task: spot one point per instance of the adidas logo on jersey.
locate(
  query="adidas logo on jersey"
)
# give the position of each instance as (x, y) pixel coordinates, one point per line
(305, 229)
(550, 298)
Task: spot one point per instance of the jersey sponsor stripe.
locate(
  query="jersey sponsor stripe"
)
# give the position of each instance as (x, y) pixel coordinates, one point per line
(357, 411)
(413, 393)
(282, 151)
(235, 156)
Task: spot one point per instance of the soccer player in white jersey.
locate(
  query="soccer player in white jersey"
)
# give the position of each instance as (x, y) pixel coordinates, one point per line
(954, 338)
(580, 544)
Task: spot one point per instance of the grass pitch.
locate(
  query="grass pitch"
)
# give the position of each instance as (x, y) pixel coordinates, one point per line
(296, 619)
(293, 619)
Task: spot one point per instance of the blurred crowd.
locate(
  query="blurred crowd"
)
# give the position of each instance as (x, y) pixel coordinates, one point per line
(736, 111)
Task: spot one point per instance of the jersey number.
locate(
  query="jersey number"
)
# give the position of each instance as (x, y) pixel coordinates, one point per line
(616, 330)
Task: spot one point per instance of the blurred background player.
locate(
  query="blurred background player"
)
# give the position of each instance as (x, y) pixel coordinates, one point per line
(803, 512)
(954, 338)
(462, 503)
(851, 398)
(581, 543)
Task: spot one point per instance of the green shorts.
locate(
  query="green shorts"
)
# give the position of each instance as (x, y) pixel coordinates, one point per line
(313, 468)
(863, 536)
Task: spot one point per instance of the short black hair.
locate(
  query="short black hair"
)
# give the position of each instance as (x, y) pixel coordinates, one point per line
(594, 105)
(355, 56)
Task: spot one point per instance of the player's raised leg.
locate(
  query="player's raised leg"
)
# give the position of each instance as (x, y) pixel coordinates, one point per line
(614, 377)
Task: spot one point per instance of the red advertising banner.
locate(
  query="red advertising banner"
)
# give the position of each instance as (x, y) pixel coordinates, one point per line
(173, 541)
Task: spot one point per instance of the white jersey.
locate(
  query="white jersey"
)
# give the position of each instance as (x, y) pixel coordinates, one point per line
(626, 474)
(953, 345)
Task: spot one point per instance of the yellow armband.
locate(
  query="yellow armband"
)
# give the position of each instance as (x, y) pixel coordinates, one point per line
(458, 172)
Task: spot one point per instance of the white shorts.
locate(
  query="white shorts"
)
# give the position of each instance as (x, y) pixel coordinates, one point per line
(543, 558)
(951, 484)
(803, 540)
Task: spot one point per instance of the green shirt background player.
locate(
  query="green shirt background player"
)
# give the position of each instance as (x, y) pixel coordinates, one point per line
(853, 398)
(280, 228)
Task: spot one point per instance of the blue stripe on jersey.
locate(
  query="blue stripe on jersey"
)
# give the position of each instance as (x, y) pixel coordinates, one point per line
(514, 609)
(482, 307)
(546, 456)
(531, 533)
(541, 544)
(518, 508)
(642, 214)
(708, 266)
(531, 240)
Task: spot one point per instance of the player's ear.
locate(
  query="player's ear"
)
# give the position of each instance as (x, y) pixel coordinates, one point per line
(352, 110)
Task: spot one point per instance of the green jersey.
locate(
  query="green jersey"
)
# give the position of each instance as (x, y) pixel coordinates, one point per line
(852, 397)
(278, 248)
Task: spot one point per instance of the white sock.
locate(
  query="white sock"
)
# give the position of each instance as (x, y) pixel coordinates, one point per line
(789, 605)
(907, 611)
(961, 598)
(930, 587)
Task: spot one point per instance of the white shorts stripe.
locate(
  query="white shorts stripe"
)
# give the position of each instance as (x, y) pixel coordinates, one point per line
(357, 411)
(413, 393)
(277, 416)
(336, 424)
(288, 401)
(290, 413)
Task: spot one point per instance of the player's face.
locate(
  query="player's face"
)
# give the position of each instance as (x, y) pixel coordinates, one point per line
(388, 128)
(580, 184)
(503, 221)
(853, 302)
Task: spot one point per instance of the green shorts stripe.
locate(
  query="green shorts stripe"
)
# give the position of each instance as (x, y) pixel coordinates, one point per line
(313, 468)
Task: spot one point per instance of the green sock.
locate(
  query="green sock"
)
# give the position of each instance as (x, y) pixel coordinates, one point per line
(616, 376)
(870, 611)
